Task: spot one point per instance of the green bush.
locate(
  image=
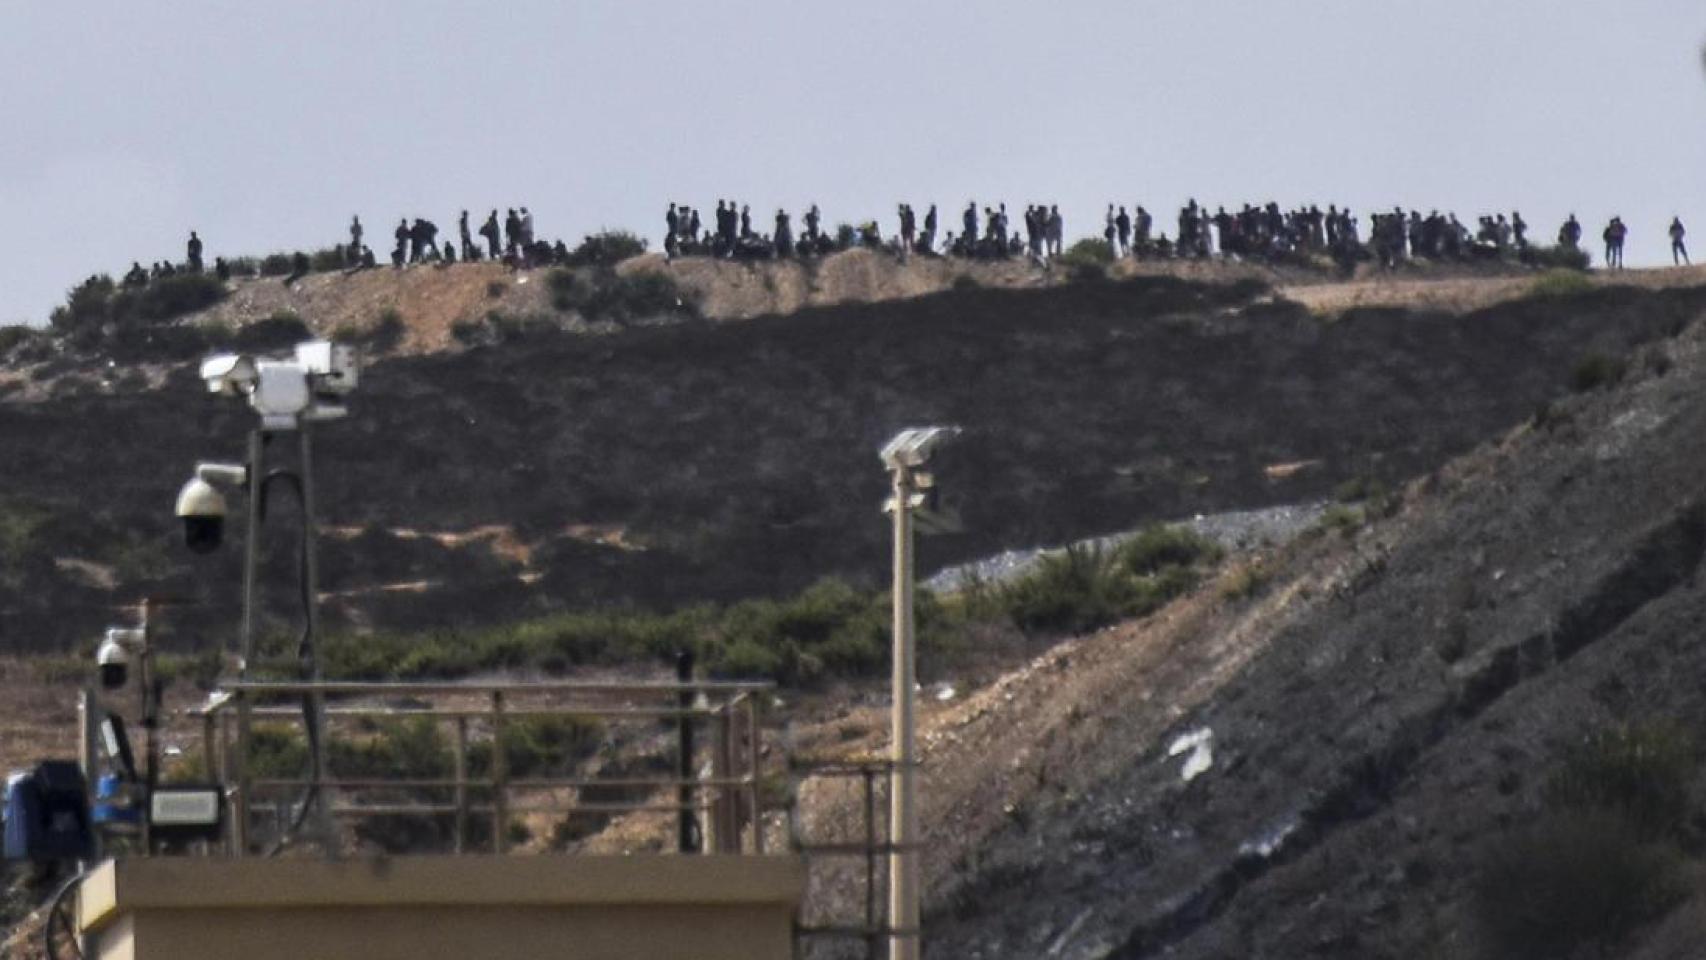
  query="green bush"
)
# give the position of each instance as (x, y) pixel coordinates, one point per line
(606, 249)
(1570, 881)
(1597, 370)
(277, 265)
(1560, 283)
(1087, 251)
(14, 334)
(327, 259)
(412, 748)
(1560, 258)
(85, 306)
(1643, 774)
(1342, 519)
(1073, 591)
(621, 299)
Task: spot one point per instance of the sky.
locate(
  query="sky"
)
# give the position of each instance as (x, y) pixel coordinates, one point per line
(265, 127)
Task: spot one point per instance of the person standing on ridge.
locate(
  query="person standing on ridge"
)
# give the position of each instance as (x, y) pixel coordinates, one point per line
(1570, 234)
(465, 237)
(490, 231)
(355, 238)
(194, 252)
(1614, 234)
(1678, 249)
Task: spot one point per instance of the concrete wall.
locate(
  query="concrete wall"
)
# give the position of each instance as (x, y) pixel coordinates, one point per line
(467, 908)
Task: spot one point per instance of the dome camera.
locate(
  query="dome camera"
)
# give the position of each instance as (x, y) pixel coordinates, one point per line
(114, 661)
(202, 508)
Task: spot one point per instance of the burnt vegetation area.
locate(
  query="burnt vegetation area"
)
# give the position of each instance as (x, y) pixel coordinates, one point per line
(739, 459)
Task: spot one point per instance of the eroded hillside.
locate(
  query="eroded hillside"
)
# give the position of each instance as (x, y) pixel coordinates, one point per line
(1389, 709)
(667, 464)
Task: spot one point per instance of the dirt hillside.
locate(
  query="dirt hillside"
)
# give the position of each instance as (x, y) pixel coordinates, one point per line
(1389, 707)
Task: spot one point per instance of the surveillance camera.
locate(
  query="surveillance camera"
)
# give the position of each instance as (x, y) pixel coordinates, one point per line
(228, 373)
(202, 508)
(114, 661)
(914, 447)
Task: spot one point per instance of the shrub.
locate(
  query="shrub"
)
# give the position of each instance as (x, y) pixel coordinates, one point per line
(1341, 519)
(85, 306)
(1597, 370)
(1248, 581)
(14, 334)
(468, 332)
(606, 249)
(1561, 258)
(1572, 880)
(1075, 590)
(327, 259)
(1088, 251)
(1643, 774)
(277, 265)
(1560, 283)
(620, 298)
(1159, 547)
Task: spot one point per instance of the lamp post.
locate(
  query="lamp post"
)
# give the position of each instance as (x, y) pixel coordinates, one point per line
(905, 456)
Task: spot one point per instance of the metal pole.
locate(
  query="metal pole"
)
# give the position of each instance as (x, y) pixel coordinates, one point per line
(687, 821)
(310, 652)
(500, 778)
(461, 760)
(903, 858)
(252, 548)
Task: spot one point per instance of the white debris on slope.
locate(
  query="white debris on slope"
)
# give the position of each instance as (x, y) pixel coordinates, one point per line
(1199, 743)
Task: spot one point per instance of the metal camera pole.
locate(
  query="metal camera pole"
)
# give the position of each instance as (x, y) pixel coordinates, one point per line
(903, 817)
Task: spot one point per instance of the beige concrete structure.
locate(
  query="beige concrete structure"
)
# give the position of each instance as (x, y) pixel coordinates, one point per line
(458, 908)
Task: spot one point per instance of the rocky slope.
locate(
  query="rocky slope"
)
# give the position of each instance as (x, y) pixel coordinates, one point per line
(1389, 707)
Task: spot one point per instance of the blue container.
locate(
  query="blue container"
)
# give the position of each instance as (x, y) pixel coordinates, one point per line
(47, 814)
(113, 802)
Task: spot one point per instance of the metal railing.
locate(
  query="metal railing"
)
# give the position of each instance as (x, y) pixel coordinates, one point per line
(847, 869)
(716, 793)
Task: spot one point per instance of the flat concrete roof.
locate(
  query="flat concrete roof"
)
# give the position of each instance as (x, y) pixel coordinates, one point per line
(125, 886)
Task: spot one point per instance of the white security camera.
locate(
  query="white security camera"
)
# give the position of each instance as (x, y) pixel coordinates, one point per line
(202, 508)
(113, 655)
(913, 447)
(231, 374)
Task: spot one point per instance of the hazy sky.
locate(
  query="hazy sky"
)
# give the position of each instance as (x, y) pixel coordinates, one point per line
(264, 126)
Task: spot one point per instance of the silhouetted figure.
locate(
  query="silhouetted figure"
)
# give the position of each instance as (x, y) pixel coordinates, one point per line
(221, 269)
(423, 236)
(526, 228)
(1570, 234)
(465, 236)
(298, 267)
(784, 235)
(512, 232)
(1519, 230)
(814, 220)
(193, 250)
(401, 251)
(1678, 249)
(1614, 234)
(354, 238)
(136, 276)
(1122, 229)
(489, 230)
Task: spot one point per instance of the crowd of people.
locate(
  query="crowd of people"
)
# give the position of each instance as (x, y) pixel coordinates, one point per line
(1251, 232)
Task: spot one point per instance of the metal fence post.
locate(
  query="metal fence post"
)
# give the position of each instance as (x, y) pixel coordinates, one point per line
(500, 778)
(460, 759)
